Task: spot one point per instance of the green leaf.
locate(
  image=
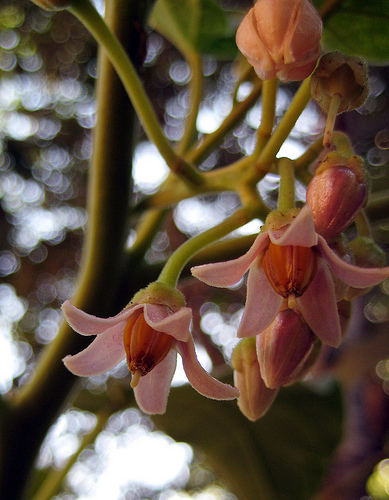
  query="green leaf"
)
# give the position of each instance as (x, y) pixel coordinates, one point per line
(194, 25)
(359, 27)
(282, 456)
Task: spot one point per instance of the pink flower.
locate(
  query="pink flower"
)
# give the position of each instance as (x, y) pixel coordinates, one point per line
(150, 335)
(292, 265)
(281, 38)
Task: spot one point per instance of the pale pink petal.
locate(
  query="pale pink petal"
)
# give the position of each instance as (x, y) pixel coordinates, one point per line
(103, 354)
(319, 309)
(224, 274)
(301, 232)
(87, 324)
(199, 378)
(153, 389)
(162, 319)
(262, 303)
(358, 277)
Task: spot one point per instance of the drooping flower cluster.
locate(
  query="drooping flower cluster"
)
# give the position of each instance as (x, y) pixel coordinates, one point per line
(294, 288)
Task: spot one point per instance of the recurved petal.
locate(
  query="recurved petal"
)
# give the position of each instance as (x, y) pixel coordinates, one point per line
(153, 389)
(301, 232)
(262, 303)
(87, 324)
(224, 274)
(103, 354)
(162, 319)
(358, 277)
(199, 378)
(318, 307)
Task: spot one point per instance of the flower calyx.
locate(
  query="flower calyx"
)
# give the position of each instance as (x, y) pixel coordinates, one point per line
(160, 293)
(343, 75)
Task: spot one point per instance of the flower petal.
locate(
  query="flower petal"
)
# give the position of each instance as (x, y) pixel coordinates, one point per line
(103, 354)
(153, 389)
(199, 378)
(87, 324)
(224, 274)
(358, 277)
(301, 232)
(262, 303)
(319, 309)
(162, 319)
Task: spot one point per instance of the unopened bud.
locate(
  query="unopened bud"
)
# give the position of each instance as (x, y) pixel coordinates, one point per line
(281, 38)
(336, 193)
(255, 398)
(284, 348)
(366, 254)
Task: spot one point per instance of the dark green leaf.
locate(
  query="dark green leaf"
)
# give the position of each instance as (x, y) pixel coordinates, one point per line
(358, 27)
(199, 26)
(283, 456)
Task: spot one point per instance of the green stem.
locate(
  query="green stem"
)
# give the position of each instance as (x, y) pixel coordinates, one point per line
(196, 90)
(286, 195)
(288, 121)
(269, 94)
(88, 15)
(173, 267)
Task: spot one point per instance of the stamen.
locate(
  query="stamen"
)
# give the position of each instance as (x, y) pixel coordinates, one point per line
(292, 301)
(135, 378)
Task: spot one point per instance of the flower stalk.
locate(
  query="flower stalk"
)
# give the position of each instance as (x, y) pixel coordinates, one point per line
(280, 134)
(286, 196)
(173, 267)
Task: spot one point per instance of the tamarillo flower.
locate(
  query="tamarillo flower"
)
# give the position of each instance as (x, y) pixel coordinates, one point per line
(149, 335)
(281, 38)
(290, 264)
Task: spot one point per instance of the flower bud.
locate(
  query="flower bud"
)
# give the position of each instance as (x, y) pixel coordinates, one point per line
(281, 38)
(53, 4)
(366, 254)
(284, 348)
(255, 398)
(343, 75)
(336, 193)
(145, 348)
